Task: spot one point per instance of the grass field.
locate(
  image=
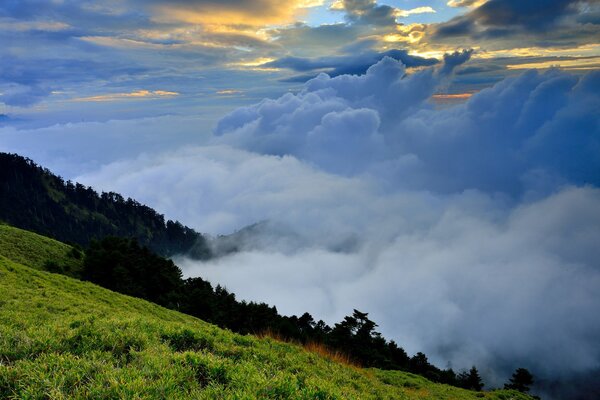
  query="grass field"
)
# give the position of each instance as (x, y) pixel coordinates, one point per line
(38, 251)
(61, 338)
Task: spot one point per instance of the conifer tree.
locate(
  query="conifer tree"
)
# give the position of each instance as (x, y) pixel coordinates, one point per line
(521, 380)
(470, 380)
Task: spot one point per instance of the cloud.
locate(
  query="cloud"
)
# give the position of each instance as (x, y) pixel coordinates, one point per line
(465, 3)
(498, 22)
(355, 64)
(466, 287)
(72, 149)
(527, 115)
(530, 16)
(413, 11)
(251, 12)
(87, 50)
(367, 12)
(138, 94)
(14, 94)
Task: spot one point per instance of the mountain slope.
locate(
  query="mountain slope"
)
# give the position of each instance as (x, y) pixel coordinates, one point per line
(39, 252)
(33, 198)
(62, 338)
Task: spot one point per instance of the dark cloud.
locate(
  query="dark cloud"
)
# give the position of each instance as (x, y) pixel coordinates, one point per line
(530, 15)
(451, 61)
(356, 64)
(496, 19)
(369, 12)
(460, 26)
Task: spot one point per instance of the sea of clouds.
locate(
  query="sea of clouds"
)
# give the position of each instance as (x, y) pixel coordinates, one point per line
(468, 232)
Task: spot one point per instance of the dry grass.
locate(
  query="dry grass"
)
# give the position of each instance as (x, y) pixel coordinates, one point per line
(333, 355)
(314, 347)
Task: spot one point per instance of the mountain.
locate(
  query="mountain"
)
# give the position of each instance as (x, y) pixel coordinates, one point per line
(63, 338)
(35, 199)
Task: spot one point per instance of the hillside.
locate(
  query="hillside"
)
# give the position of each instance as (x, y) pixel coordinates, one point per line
(39, 252)
(35, 199)
(62, 338)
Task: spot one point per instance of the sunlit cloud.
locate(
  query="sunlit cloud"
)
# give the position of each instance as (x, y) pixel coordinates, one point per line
(228, 92)
(254, 64)
(579, 64)
(456, 96)
(412, 33)
(465, 3)
(255, 13)
(139, 94)
(419, 10)
(445, 99)
(586, 50)
(337, 5)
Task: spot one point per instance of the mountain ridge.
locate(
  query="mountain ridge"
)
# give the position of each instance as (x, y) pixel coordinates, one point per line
(35, 199)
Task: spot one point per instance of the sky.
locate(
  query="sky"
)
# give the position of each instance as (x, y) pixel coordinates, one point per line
(433, 163)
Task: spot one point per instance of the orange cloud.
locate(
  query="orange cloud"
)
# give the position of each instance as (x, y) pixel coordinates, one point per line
(237, 13)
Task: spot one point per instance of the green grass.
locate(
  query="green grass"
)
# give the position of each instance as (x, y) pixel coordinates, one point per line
(38, 251)
(61, 338)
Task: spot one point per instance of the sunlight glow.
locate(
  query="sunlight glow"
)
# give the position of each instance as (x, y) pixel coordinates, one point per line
(138, 94)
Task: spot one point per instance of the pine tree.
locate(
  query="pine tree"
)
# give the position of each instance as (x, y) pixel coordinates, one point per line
(521, 380)
(470, 380)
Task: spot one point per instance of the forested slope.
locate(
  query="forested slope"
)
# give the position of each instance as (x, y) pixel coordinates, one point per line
(35, 199)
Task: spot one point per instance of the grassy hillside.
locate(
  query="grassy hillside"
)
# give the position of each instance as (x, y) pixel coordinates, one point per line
(38, 251)
(62, 338)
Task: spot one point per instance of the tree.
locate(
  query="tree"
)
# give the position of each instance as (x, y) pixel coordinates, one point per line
(470, 380)
(521, 380)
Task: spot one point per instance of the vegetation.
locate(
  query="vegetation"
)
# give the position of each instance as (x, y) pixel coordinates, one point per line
(39, 251)
(521, 380)
(62, 338)
(33, 198)
(470, 380)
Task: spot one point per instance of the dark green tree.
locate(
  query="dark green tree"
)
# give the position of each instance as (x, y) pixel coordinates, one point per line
(521, 380)
(124, 266)
(470, 380)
